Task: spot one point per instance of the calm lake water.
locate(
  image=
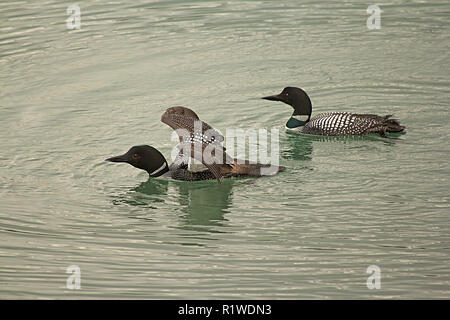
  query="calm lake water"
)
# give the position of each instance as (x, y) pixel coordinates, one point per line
(71, 98)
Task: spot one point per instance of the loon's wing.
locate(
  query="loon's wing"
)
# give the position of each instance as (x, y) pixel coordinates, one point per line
(202, 141)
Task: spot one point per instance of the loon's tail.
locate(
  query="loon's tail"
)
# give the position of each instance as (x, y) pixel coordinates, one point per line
(392, 125)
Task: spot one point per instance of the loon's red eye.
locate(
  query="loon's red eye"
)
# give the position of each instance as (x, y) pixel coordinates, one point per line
(135, 156)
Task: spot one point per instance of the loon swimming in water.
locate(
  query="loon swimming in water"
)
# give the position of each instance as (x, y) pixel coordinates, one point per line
(202, 143)
(331, 123)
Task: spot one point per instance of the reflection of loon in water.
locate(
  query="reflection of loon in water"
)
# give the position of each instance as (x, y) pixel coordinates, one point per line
(205, 204)
(295, 148)
(146, 194)
(202, 205)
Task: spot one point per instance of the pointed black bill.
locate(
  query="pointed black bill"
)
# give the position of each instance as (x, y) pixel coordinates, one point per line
(121, 158)
(273, 98)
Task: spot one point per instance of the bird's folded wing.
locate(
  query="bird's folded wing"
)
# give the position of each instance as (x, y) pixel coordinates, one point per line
(198, 139)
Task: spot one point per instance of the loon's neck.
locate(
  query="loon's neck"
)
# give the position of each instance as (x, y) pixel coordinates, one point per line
(159, 171)
(296, 121)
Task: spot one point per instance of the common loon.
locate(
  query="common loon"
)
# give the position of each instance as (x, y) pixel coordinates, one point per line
(331, 123)
(204, 144)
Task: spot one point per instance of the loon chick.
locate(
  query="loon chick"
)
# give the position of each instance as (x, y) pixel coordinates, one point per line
(198, 140)
(331, 123)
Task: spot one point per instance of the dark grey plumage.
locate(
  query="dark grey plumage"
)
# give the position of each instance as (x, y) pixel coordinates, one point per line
(187, 175)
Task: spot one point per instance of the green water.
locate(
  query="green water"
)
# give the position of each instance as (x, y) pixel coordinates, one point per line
(71, 98)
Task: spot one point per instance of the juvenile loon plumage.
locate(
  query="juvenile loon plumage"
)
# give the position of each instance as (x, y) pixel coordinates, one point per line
(198, 140)
(331, 123)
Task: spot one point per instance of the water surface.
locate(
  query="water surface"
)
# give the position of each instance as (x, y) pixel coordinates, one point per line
(71, 98)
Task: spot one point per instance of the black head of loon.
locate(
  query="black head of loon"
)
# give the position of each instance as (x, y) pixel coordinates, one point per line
(297, 99)
(144, 157)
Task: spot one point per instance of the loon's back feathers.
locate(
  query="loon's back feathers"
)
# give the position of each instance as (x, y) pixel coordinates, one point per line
(344, 123)
(331, 123)
(184, 174)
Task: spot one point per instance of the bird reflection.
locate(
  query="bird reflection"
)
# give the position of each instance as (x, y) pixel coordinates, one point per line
(202, 204)
(296, 147)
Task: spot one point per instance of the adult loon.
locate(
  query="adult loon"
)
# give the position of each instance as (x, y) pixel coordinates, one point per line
(198, 140)
(331, 123)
